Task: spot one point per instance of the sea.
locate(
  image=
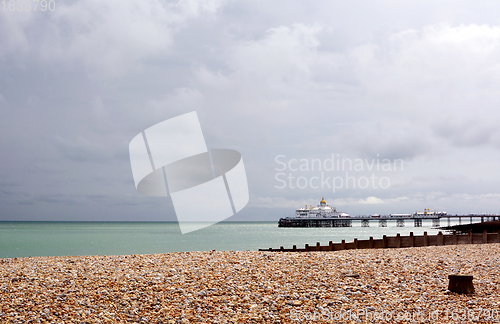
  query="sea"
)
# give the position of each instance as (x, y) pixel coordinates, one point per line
(27, 239)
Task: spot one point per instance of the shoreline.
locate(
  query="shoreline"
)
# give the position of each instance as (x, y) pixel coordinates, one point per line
(250, 286)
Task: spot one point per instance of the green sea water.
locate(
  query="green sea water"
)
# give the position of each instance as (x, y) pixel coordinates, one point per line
(24, 239)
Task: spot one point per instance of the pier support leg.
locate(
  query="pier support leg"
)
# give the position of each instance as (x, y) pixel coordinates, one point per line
(382, 223)
(342, 223)
(482, 219)
(417, 222)
(435, 222)
(365, 223)
(449, 224)
(460, 221)
(400, 223)
(470, 220)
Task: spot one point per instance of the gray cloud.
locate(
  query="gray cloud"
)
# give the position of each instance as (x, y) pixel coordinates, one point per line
(416, 81)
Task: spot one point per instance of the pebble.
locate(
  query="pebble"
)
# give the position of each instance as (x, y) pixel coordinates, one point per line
(245, 287)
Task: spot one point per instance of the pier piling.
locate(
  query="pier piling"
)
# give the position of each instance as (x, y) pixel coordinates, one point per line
(365, 220)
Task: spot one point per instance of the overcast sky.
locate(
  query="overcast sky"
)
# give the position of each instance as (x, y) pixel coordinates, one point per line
(416, 82)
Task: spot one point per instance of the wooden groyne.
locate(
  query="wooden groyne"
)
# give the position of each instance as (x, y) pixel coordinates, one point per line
(491, 227)
(400, 242)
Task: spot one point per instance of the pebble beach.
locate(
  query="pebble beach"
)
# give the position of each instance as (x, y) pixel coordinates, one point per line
(372, 286)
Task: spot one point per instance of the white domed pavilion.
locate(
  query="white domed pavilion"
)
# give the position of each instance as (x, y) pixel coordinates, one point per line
(322, 210)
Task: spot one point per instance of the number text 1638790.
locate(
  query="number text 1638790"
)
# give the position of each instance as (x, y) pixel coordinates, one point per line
(27, 5)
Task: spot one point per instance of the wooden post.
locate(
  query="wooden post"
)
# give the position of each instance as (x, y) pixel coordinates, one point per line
(440, 240)
(461, 284)
(281, 248)
(342, 245)
(318, 246)
(371, 242)
(307, 247)
(384, 238)
(426, 239)
(498, 236)
(485, 237)
(330, 244)
(412, 241)
(398, 240)
(455, 238)
(356, 243)
(470, 236)
(294, 248)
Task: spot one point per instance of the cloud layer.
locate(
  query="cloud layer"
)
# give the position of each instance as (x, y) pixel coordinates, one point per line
(308, 82)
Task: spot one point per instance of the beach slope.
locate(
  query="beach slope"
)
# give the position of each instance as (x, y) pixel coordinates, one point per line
(390, 285)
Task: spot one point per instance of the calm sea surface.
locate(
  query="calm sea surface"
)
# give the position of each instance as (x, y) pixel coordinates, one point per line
(23, 239)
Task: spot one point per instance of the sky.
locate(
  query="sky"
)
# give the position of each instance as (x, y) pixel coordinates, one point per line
(403, 95)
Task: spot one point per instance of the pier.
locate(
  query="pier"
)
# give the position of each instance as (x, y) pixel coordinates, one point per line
(346, 221)
(400, 242)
